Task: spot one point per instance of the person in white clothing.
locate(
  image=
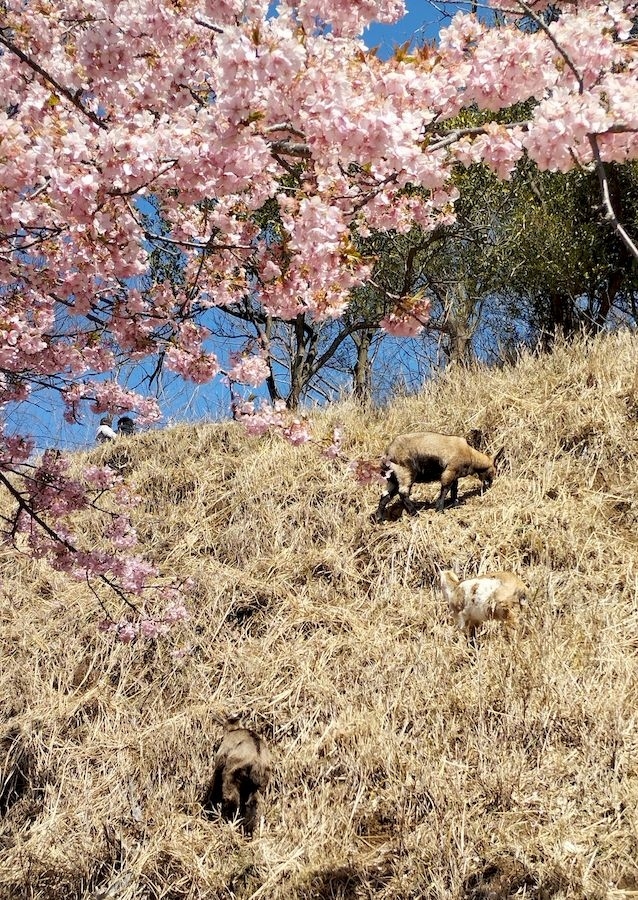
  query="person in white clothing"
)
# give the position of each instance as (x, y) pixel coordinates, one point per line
(105, 432)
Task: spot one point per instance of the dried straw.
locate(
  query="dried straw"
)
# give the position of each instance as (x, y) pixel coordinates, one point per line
(407, 763)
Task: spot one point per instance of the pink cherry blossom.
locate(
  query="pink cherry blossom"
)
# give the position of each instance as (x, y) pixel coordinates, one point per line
(126, 632)
(175, 612)
(334, 450)
(366, 471)
(297, 432)
(151, 628)
(251, 370)
(410, 317)
(261, 418)
(101, 477)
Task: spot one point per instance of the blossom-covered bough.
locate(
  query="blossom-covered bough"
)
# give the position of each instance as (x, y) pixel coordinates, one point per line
(211, 112)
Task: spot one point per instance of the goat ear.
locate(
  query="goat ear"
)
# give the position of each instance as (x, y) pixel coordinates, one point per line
(475, 439)
(498, 459)
(448, 581)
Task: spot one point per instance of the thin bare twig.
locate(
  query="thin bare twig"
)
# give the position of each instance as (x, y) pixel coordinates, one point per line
(208, 245)
(611, 216)
(208, 25)
(546, 30)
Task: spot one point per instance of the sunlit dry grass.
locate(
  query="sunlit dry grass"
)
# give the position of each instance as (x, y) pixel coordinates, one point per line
(407, 764)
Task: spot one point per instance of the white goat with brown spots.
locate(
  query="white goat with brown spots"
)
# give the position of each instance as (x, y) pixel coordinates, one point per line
(497, 596)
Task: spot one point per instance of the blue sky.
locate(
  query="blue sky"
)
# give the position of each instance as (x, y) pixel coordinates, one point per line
(423, 21)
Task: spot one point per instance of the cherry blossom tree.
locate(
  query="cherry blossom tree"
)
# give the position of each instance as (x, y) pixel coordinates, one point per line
(210, 110)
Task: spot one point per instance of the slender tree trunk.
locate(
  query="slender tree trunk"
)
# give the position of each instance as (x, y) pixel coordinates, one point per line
(296, 389)
(614, 283)
(459, 344)
(303, 360)
(264, 335)
(297, 363)
(273, 391)
(561, 319)
(458, 325)
(362, 371)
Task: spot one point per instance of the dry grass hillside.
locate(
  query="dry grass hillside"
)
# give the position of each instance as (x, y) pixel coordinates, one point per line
(407, 763)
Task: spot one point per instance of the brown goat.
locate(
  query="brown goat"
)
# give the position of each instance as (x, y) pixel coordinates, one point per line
(497, 595)
(425, 456)
(242, 772)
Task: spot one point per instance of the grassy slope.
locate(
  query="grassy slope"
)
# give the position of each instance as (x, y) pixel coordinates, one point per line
(407, 764)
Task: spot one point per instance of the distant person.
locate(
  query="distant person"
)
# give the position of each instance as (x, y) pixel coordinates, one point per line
(105, 432)
(126, 425)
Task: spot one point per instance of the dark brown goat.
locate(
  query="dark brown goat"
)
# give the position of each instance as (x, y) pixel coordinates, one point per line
(242, 773)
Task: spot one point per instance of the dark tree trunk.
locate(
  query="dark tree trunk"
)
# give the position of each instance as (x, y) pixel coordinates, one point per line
(561, 320)
(458, 344)
(302, 366)
(614, 283)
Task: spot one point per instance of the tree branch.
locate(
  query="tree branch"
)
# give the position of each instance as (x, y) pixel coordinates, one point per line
(610, 214)
(23, 505)
(454, 136)
(287, 148)
(546, 30)
(194, 244)
(204, 24)
(283, 126)
(72, 98)
(320, 361)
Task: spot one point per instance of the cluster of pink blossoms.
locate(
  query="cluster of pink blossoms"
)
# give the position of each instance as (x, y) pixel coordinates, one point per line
(333, 451)
(48, 497)
(260, 418)
(105, 396)
(366, 471)
(188, 357)
(409, 318)
(251, 370)
(128, 631)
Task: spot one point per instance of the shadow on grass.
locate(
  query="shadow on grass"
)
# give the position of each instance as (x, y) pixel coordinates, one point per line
(345, 882)
(396, 511)
(506, 877)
